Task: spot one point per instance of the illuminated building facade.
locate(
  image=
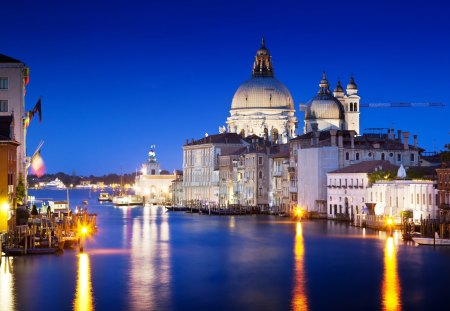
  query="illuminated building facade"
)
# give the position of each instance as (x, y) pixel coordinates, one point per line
(262, 105)
(154, 186)
(8, 170)
(14, 77)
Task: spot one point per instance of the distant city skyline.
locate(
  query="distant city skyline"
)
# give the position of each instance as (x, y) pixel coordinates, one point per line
(116, 79)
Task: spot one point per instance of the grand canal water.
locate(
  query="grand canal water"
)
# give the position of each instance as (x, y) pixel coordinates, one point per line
(144, 258)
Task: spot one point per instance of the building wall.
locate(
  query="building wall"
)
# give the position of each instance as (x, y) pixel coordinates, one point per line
(313, 165)
(346, 193)
(15, 96)
(201, 172)
(255, 121)
(156, 189)
(8, 180)
(444, 188)
(393, 197)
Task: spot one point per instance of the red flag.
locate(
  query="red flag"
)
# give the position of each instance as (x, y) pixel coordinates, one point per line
(37, 165)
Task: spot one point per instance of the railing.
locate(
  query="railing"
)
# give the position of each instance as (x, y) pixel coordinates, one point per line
(370, 221)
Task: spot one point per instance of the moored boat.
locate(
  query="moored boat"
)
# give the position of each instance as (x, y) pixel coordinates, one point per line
(128, 200)
(104, 197)
(432, 241)
(56, 184)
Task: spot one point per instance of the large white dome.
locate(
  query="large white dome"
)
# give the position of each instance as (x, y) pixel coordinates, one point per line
(262, 92)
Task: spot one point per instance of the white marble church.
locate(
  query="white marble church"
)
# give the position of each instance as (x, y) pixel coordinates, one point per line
(262, 105)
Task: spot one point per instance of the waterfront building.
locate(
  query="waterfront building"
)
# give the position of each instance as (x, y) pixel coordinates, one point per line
(443, 188)
(14, 77)
(8, 170)
(347, 188)
(279, 187)
(262, 105)
(390, 198)
(154, 186)
(176, 189)
(201, 166)
(320, 152)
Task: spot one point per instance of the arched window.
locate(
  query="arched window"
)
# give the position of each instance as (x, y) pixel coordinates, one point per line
(274, 135)
(355, 107)
(351, 106)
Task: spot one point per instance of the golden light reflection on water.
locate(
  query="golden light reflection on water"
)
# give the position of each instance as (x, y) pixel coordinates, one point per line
(149, 265)
(7, 298)
(391, 284)
(300, 300)
(83, 297)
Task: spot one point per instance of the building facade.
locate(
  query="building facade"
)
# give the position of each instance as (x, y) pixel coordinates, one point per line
(8, 170)
(262, 105)
(14, 77)
(443, 188)
(201, 167)
(347, 188)
(320, 152)
(151, 184)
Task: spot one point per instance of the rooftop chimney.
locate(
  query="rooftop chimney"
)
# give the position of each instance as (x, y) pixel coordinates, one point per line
(399, 137)
(415, 141)
(406, 140)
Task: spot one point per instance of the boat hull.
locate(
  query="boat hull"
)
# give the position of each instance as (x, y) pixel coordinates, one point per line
(431, 241)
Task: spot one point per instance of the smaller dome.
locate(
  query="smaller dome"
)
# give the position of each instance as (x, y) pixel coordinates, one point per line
(324, 106)
(352, 85)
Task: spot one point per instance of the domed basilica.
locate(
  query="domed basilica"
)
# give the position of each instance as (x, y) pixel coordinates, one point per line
(338, 111)
(263, 106)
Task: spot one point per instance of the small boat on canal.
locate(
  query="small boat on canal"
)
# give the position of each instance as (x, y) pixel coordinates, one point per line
(432, 241)
(104, 197)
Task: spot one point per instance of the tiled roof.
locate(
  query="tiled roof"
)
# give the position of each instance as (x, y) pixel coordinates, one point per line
(368, 167)
(6, 59)
(224, 138)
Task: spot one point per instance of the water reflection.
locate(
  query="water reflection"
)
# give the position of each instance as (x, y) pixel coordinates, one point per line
(6, 284)
(150, 266)
(83, 296)
(391, 284)
(300, 300)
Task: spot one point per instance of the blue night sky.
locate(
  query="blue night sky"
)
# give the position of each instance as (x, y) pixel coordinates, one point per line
(117, 77)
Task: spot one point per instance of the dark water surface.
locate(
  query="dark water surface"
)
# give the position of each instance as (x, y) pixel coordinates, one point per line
(144, 258)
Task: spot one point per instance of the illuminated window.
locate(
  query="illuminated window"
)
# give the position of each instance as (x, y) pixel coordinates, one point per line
(3, 106)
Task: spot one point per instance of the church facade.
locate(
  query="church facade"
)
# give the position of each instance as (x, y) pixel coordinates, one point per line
(262, 105)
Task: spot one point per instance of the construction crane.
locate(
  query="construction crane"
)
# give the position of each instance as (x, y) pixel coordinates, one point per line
(401, 105)
(392, 105)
